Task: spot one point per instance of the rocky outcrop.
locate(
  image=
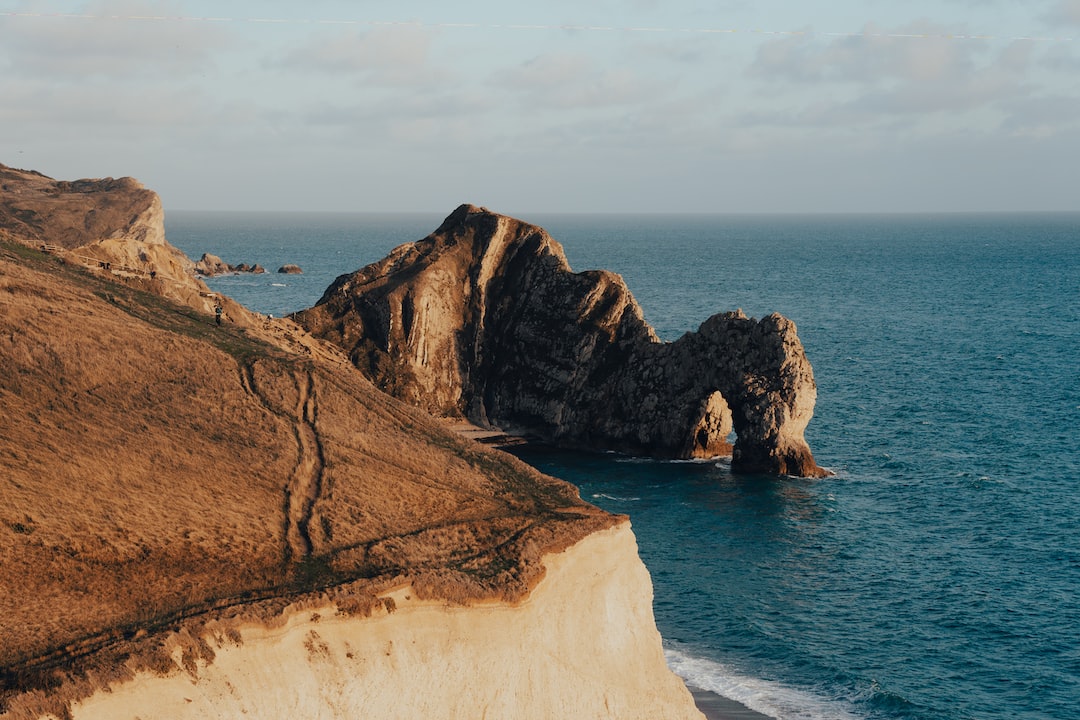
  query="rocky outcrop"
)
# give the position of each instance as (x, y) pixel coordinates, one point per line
(484, 319)
(77, 213)
(210, 265)
(290, 270)
(378, 563)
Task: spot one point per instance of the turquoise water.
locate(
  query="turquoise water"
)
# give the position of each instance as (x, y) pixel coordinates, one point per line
(938, 574)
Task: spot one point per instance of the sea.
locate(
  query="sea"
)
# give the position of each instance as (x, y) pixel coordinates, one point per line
(936, 575)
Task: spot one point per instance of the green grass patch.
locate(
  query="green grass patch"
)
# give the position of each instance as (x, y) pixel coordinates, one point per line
(172, 317)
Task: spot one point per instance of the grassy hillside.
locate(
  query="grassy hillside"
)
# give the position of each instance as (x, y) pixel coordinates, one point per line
(155, 467)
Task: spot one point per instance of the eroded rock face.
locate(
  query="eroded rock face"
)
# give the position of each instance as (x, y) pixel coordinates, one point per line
(144, 448)
(484, 319)
(112, 221)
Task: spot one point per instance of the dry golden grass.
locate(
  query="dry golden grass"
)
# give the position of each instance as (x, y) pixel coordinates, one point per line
(154, 467)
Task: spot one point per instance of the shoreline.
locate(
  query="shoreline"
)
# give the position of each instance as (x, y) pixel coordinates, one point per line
(712, 705)
(718, 707)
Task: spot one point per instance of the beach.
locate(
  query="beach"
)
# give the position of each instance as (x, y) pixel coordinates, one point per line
(718, 707)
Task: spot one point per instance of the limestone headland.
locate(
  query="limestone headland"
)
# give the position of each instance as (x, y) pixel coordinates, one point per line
(217, 521)
(112, 225)
(484, 319)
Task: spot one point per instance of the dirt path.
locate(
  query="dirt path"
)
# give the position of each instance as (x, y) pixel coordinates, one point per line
(306, 482)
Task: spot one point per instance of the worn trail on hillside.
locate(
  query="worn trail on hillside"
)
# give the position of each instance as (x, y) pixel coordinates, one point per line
(305, 483)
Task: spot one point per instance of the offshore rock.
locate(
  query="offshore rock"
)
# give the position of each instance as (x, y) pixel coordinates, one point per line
(211, 265)
(485, 319)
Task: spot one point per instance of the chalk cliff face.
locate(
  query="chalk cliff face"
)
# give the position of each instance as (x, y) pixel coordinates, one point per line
(581, 645)
(484, 319)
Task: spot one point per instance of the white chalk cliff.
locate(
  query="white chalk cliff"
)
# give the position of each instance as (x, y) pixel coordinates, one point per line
(583, 644)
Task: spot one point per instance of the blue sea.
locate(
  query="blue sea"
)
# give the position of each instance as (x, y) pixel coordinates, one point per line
(936, 576)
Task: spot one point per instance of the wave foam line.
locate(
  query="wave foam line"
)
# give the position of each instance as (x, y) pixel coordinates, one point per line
(764, 696)
(543, 27)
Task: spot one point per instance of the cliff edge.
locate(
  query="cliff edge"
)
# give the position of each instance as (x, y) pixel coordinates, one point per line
(581, 645)
(485, 319)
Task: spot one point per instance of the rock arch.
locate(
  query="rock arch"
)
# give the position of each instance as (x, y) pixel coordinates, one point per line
(511, 337)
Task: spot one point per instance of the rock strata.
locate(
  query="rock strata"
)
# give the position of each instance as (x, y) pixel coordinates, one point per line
(485, 319)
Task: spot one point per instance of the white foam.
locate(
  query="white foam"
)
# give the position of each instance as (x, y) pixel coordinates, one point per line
(646, 460)
(615, 497)
(764, 696)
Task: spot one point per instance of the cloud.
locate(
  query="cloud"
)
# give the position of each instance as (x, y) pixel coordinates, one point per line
(690, 51)
(1045, 117)
(109, 42)
(917, 70)
(573, 80)
(394, 56)
(920, 52)
(160, 112)
(389, 109)
(1065, 12)
(1062, 58)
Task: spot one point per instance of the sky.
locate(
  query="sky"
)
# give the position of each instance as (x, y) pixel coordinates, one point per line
(617, 106)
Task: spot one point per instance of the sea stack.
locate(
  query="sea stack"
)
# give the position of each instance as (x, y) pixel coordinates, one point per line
(484, 319)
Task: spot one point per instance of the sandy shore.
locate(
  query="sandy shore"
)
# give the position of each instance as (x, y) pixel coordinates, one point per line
(717, 707)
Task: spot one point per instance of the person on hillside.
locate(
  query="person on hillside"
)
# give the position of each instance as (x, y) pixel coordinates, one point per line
(217, 312)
